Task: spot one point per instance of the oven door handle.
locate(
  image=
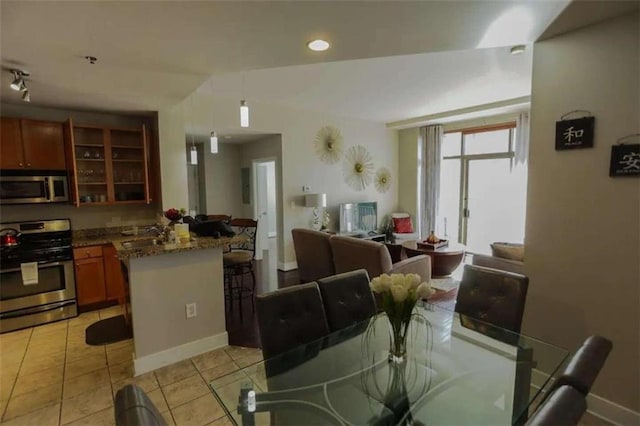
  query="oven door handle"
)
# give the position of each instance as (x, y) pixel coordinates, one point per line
(37, 309)
(40, 266)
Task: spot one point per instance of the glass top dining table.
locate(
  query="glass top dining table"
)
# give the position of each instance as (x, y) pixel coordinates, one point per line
(458, 371)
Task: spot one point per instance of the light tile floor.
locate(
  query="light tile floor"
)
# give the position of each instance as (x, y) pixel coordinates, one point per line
(50, 376)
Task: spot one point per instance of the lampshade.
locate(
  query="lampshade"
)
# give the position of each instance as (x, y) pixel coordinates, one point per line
(214, 143)
(315, 200)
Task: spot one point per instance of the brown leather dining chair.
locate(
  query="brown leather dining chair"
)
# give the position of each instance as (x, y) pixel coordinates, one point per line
(585, 365)
(564, 407)
(238, 263)
(347, 299)
(493, 296)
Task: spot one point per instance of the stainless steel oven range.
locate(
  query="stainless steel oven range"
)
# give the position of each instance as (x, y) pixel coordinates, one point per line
(37, 282)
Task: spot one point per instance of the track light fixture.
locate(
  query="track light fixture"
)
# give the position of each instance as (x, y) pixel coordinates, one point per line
(25, 96)
(18, 83)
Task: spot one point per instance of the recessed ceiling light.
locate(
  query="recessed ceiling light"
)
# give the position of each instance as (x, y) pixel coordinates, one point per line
(516, 50)
(318, 45)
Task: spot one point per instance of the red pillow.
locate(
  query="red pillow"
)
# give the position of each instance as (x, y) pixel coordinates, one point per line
(403, 225)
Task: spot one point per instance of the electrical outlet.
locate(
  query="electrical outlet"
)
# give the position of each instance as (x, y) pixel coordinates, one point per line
(306, 188)
(191, 310)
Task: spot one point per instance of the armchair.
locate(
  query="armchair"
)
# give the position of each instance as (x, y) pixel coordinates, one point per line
(353, 253)
(313, 254)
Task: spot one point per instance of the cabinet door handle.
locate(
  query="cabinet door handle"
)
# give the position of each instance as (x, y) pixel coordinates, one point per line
(20, 164)
(28, 164)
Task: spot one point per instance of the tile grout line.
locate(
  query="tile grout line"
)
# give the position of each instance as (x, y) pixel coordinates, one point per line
(17, 374)
(64, 372)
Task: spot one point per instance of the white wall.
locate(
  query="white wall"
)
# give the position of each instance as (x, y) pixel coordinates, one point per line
(300, 166)
(583, 227)
(222, 180)
(408, 172)
(271, 198)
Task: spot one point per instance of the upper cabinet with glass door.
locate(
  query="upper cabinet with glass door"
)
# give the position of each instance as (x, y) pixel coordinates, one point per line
(110, 166)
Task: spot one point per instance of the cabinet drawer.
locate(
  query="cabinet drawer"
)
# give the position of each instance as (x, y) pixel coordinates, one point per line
(87, 252)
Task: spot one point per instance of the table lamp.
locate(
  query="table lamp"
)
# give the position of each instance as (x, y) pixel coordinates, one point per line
(317, 201)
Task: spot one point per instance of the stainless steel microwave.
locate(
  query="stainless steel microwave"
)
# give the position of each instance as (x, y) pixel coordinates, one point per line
(20, 188)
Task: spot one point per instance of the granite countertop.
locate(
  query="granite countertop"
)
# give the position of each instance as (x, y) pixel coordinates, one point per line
(196, 243)
(102, 236)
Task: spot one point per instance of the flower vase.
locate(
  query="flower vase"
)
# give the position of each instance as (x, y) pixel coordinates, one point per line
(396, 398)
(398, 339)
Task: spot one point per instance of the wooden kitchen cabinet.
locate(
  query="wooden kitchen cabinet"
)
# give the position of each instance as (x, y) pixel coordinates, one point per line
(31, 144)
(107, 165)
(98, 275)
(114, 280)
(90, 283)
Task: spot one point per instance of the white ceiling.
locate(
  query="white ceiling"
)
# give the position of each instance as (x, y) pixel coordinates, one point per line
(153, 54)
(387, 89)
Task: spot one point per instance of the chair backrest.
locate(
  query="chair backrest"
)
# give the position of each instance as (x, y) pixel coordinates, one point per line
(247, 228)
(222, 217)
(395, 251)
(351, 253)
(313, 254)
(585, 365)
(564, 407)
(494, 296)
(290, 317)
(134, 408)
(347, 299)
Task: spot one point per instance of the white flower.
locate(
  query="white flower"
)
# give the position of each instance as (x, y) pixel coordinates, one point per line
(385, 282)
(424, 291)
(398, 279)
(380, 284)
(399, 293)
(413, 280)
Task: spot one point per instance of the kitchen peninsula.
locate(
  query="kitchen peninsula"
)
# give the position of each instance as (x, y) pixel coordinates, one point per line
(163, 280)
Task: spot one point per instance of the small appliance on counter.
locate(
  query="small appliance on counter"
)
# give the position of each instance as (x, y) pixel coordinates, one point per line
(9, 237)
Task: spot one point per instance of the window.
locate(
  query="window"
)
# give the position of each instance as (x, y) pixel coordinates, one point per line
(482, 192)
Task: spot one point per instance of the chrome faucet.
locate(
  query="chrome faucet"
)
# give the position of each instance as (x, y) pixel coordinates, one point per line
(160, 232)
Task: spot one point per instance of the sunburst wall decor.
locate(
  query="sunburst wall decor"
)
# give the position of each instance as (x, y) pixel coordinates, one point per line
(328, 144)
(358, 168)
(382, 180)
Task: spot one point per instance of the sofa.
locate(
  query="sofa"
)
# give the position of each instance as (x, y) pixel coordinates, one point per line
(348, 254)
(504, 256)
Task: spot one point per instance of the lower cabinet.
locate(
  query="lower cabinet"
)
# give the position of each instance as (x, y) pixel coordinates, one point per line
(98, 275)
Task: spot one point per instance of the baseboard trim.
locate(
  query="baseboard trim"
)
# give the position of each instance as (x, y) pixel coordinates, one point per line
(287, 266)
(598, 406)
(169, 356)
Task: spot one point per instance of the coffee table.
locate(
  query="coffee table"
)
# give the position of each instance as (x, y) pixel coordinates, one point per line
(444, 260)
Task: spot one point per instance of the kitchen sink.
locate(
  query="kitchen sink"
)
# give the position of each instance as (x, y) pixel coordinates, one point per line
(141, 243)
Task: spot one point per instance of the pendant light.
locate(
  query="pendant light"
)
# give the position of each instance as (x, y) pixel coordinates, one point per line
(193, 154)
(244, 114)
(214, 143)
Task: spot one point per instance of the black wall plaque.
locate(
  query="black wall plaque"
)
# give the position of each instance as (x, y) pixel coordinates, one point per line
(573, 134)
(625, 160)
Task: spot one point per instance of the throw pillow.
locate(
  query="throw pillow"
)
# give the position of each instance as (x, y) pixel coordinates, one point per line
(508, 251)
(403, 225)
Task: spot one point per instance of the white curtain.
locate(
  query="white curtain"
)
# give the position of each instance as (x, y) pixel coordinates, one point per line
(522, 139)
(430, 177)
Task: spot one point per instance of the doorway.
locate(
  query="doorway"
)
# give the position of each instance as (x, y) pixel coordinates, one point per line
(264, 209)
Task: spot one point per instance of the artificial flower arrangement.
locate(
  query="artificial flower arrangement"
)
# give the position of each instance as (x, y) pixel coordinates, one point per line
(174, 215)
(398, 295)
